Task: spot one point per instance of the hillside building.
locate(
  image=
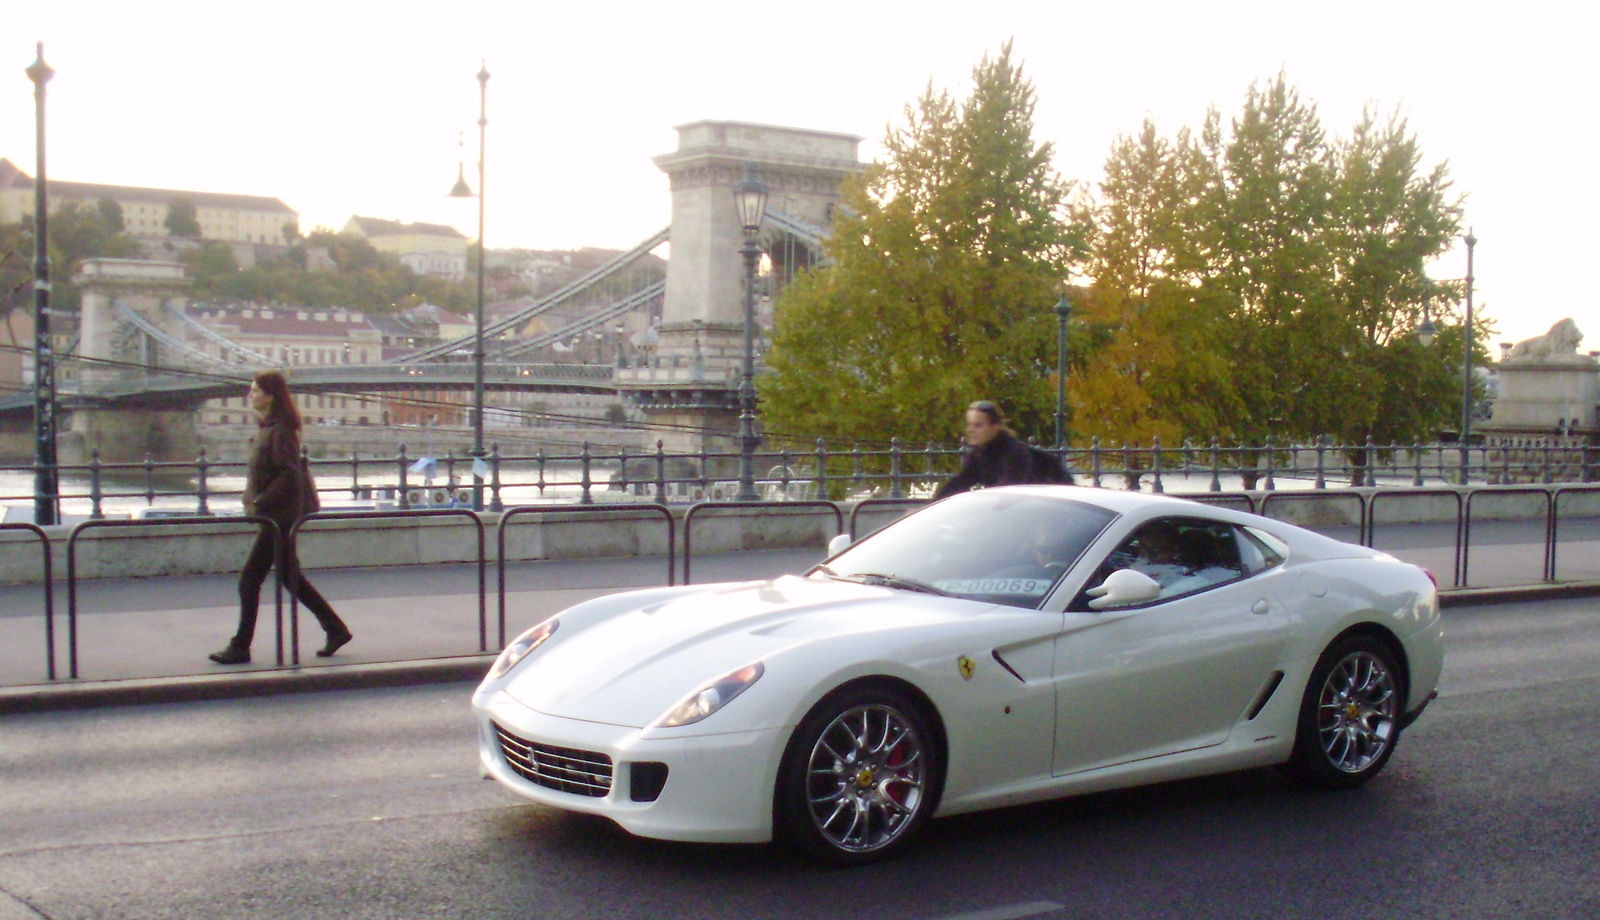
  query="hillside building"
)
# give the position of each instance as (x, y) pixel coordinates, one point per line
(223, 217)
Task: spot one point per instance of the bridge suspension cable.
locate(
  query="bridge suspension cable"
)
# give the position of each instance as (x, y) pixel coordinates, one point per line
(810, 234)
(211, 334)
(567, 293)
(615, 311)
(155, 332)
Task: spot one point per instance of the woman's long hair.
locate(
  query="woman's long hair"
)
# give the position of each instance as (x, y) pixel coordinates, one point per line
(283, 410)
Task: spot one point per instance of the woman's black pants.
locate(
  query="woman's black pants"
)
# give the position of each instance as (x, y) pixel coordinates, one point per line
(254, 575)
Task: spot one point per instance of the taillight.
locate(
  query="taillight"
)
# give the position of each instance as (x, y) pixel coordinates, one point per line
(1429, 573)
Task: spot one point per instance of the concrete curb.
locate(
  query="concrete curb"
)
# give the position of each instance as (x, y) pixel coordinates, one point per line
(35, 698)
(1469, 597)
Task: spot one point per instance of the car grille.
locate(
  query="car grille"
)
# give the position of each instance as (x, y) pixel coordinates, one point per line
(560, 768)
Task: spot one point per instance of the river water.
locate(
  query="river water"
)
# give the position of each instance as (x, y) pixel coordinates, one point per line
(131, 493)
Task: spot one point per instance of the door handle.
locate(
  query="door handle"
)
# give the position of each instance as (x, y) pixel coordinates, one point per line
(1261, 607)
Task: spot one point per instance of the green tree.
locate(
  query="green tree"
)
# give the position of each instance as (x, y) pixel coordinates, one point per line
(79, 232)
(111, 213)
(1287, 264)
(181, 219)
(945, 260)
(1152, 362)
(16, 270)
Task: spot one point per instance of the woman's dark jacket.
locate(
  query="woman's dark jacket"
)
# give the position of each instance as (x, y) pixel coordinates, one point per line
(278, 486)
(1003, 461)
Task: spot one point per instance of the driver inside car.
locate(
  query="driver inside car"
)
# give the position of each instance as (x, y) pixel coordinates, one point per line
(1046, 556)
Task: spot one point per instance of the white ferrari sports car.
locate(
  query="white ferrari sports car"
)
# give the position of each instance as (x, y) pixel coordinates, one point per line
(999, 647)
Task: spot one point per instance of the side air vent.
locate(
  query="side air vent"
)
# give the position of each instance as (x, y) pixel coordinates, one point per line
(1265, 696)
(1009, 669)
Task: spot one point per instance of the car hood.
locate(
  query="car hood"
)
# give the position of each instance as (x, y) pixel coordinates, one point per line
(632, 667)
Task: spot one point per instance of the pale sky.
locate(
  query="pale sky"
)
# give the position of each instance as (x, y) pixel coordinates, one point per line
(342, 108)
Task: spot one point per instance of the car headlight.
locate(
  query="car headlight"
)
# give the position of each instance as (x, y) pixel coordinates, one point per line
(521, 647)
(711, 697)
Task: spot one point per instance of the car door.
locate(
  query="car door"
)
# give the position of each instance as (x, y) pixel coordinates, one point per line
(1171, 675)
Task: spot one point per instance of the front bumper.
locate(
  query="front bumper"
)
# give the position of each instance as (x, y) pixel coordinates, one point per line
(718, 786)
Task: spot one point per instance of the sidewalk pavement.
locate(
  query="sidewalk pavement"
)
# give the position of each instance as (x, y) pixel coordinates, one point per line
(146, 640)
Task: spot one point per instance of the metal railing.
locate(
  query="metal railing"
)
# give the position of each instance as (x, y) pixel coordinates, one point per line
(72, 571)
(893, 472)
(1364, 521)
(627, 508)
(694, 511)
(294, 534)
(48, 587)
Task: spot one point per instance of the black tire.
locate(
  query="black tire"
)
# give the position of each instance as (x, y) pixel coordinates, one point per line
(860, 777)
(1350, 715)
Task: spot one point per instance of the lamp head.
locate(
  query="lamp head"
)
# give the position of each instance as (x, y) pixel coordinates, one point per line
(40, 72)
(751, 200)
(461, 188)
(1426, 333)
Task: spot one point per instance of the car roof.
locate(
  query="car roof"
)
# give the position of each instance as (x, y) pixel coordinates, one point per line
(1121, 502)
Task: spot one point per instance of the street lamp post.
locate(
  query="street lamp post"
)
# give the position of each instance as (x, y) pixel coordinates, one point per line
(751, 199)
(1063, 313)
(1466, 367)
(46, 483)
(461, 190)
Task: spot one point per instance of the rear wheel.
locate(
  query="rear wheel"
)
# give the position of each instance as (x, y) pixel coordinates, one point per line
(1350, 715)
(860, 776)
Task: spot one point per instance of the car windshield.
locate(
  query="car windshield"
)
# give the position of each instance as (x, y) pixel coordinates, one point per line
(991, 545)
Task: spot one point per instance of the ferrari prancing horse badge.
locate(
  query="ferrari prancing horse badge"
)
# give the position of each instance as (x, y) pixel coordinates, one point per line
(967, 666)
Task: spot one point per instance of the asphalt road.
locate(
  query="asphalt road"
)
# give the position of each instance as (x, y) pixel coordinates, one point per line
(367, 804)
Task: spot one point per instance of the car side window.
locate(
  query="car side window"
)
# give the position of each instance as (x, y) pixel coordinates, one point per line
(1184, 555)
(1255, 551)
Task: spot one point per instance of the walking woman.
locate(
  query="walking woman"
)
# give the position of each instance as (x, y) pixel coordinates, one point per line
(278, 488)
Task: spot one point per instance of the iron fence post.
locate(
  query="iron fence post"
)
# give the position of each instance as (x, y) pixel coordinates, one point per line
(894, 469)
(822, 468)
(405, 489)
(495, 504)
(583, 457)
(1271, 484)
(661, 472)
(95, 513)
(204, 504)
(1155, 463)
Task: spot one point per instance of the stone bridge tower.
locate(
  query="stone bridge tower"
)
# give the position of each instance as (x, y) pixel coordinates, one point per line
(693, 378)
(106, 334)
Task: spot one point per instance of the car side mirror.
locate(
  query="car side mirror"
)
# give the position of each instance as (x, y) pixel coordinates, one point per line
(1124, 586)
(838, 544)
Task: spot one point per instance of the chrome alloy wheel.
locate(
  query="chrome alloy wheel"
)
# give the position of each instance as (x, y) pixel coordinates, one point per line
(865, 778)
(1356, 712)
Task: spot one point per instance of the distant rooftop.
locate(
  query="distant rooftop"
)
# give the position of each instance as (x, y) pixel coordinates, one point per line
(13, 177)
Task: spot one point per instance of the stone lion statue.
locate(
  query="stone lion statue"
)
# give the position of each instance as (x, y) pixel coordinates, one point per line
(1559, 344)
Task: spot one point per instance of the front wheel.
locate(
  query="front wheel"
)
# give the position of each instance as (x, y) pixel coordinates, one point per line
(860, 776)
(1350, 715)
